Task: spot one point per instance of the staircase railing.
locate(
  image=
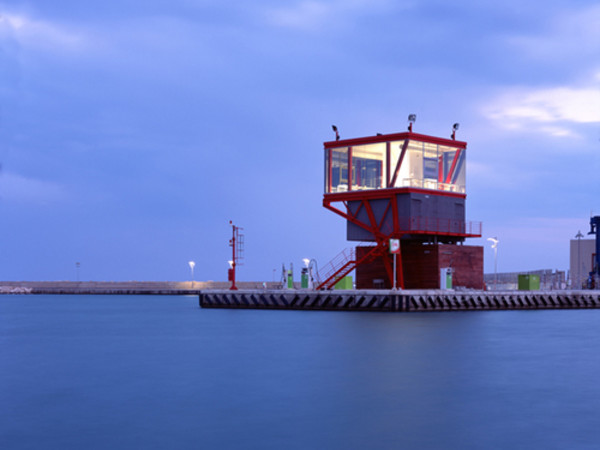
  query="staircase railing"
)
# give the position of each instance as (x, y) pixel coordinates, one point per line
(341, 265)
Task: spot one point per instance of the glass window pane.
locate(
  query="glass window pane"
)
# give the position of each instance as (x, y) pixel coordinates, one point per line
(453, 169)
(397, 173)
(368, 166)
(339, 169)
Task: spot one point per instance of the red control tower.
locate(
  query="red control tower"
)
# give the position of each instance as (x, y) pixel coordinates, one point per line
(405, 186)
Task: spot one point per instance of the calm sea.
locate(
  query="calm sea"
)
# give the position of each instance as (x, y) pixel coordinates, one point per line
(122, 372)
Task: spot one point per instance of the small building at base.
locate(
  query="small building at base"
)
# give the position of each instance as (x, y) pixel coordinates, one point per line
(421, 265)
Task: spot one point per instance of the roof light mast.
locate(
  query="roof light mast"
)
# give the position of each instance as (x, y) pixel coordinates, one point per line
(412, 118)
(454, 130)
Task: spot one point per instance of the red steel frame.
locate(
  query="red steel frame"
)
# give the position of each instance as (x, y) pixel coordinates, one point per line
(389, 193)
(406, 137)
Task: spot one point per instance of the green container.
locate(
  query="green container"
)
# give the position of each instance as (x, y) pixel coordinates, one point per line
(345, 283)
(529, 282)
(304, 281)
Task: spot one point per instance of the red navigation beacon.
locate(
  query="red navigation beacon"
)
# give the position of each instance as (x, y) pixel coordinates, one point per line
(405, 186)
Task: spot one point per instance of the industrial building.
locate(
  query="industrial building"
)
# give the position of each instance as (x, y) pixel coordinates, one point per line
(403, 197)
(582, 255)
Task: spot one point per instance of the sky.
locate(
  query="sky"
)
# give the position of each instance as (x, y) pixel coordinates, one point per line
(132, 132)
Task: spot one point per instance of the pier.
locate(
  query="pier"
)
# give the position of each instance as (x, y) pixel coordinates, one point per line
(399, 301)
(259, 295)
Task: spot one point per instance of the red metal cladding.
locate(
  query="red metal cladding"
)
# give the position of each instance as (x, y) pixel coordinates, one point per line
(418, 225)
(385, 193)
(395, 137)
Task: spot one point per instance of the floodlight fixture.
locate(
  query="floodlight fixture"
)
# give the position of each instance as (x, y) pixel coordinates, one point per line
(412, 118)
(494, 242)
(306, 262)
(337, 135)
(454, 129)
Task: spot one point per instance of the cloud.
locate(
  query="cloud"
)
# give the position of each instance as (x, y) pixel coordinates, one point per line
(311, 15)
(493, 176)
(553, 111)
(38, 34)
(17, 188)
(306, 15)
(569, 35)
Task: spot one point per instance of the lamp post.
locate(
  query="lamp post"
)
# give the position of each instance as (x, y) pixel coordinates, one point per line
(192, 264)
(578, 236)
(495, 241)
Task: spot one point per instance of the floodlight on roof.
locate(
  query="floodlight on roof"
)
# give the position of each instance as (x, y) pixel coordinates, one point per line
(337, 135)
(412, 118)
(454, 129)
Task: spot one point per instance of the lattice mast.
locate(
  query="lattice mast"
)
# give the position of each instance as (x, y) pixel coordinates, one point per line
(237, 253)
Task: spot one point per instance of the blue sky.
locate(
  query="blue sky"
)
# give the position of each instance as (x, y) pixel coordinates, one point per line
(131, 132)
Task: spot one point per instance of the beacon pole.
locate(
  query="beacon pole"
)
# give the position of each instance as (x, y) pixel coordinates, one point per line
(394, 288)
(233, 259)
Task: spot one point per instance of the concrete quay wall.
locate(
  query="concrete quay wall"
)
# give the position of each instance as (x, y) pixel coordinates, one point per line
(406, 301)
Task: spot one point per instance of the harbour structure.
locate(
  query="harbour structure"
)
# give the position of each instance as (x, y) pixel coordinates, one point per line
(403, 188)
(594, 276)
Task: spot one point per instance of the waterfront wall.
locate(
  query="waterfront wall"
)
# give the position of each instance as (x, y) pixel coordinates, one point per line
(406, 301)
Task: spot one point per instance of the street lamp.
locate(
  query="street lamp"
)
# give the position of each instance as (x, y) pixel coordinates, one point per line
(192, 264)
(495, 241)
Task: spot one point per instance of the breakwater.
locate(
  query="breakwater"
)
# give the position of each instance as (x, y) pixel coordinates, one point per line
(405, 301)
(120, 287)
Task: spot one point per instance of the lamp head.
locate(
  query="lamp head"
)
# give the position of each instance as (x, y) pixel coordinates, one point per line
(337, 135)
(412, 118)
(494, 242)
(454, 128)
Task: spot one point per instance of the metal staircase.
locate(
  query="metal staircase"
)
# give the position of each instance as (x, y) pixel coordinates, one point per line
(341, 265)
